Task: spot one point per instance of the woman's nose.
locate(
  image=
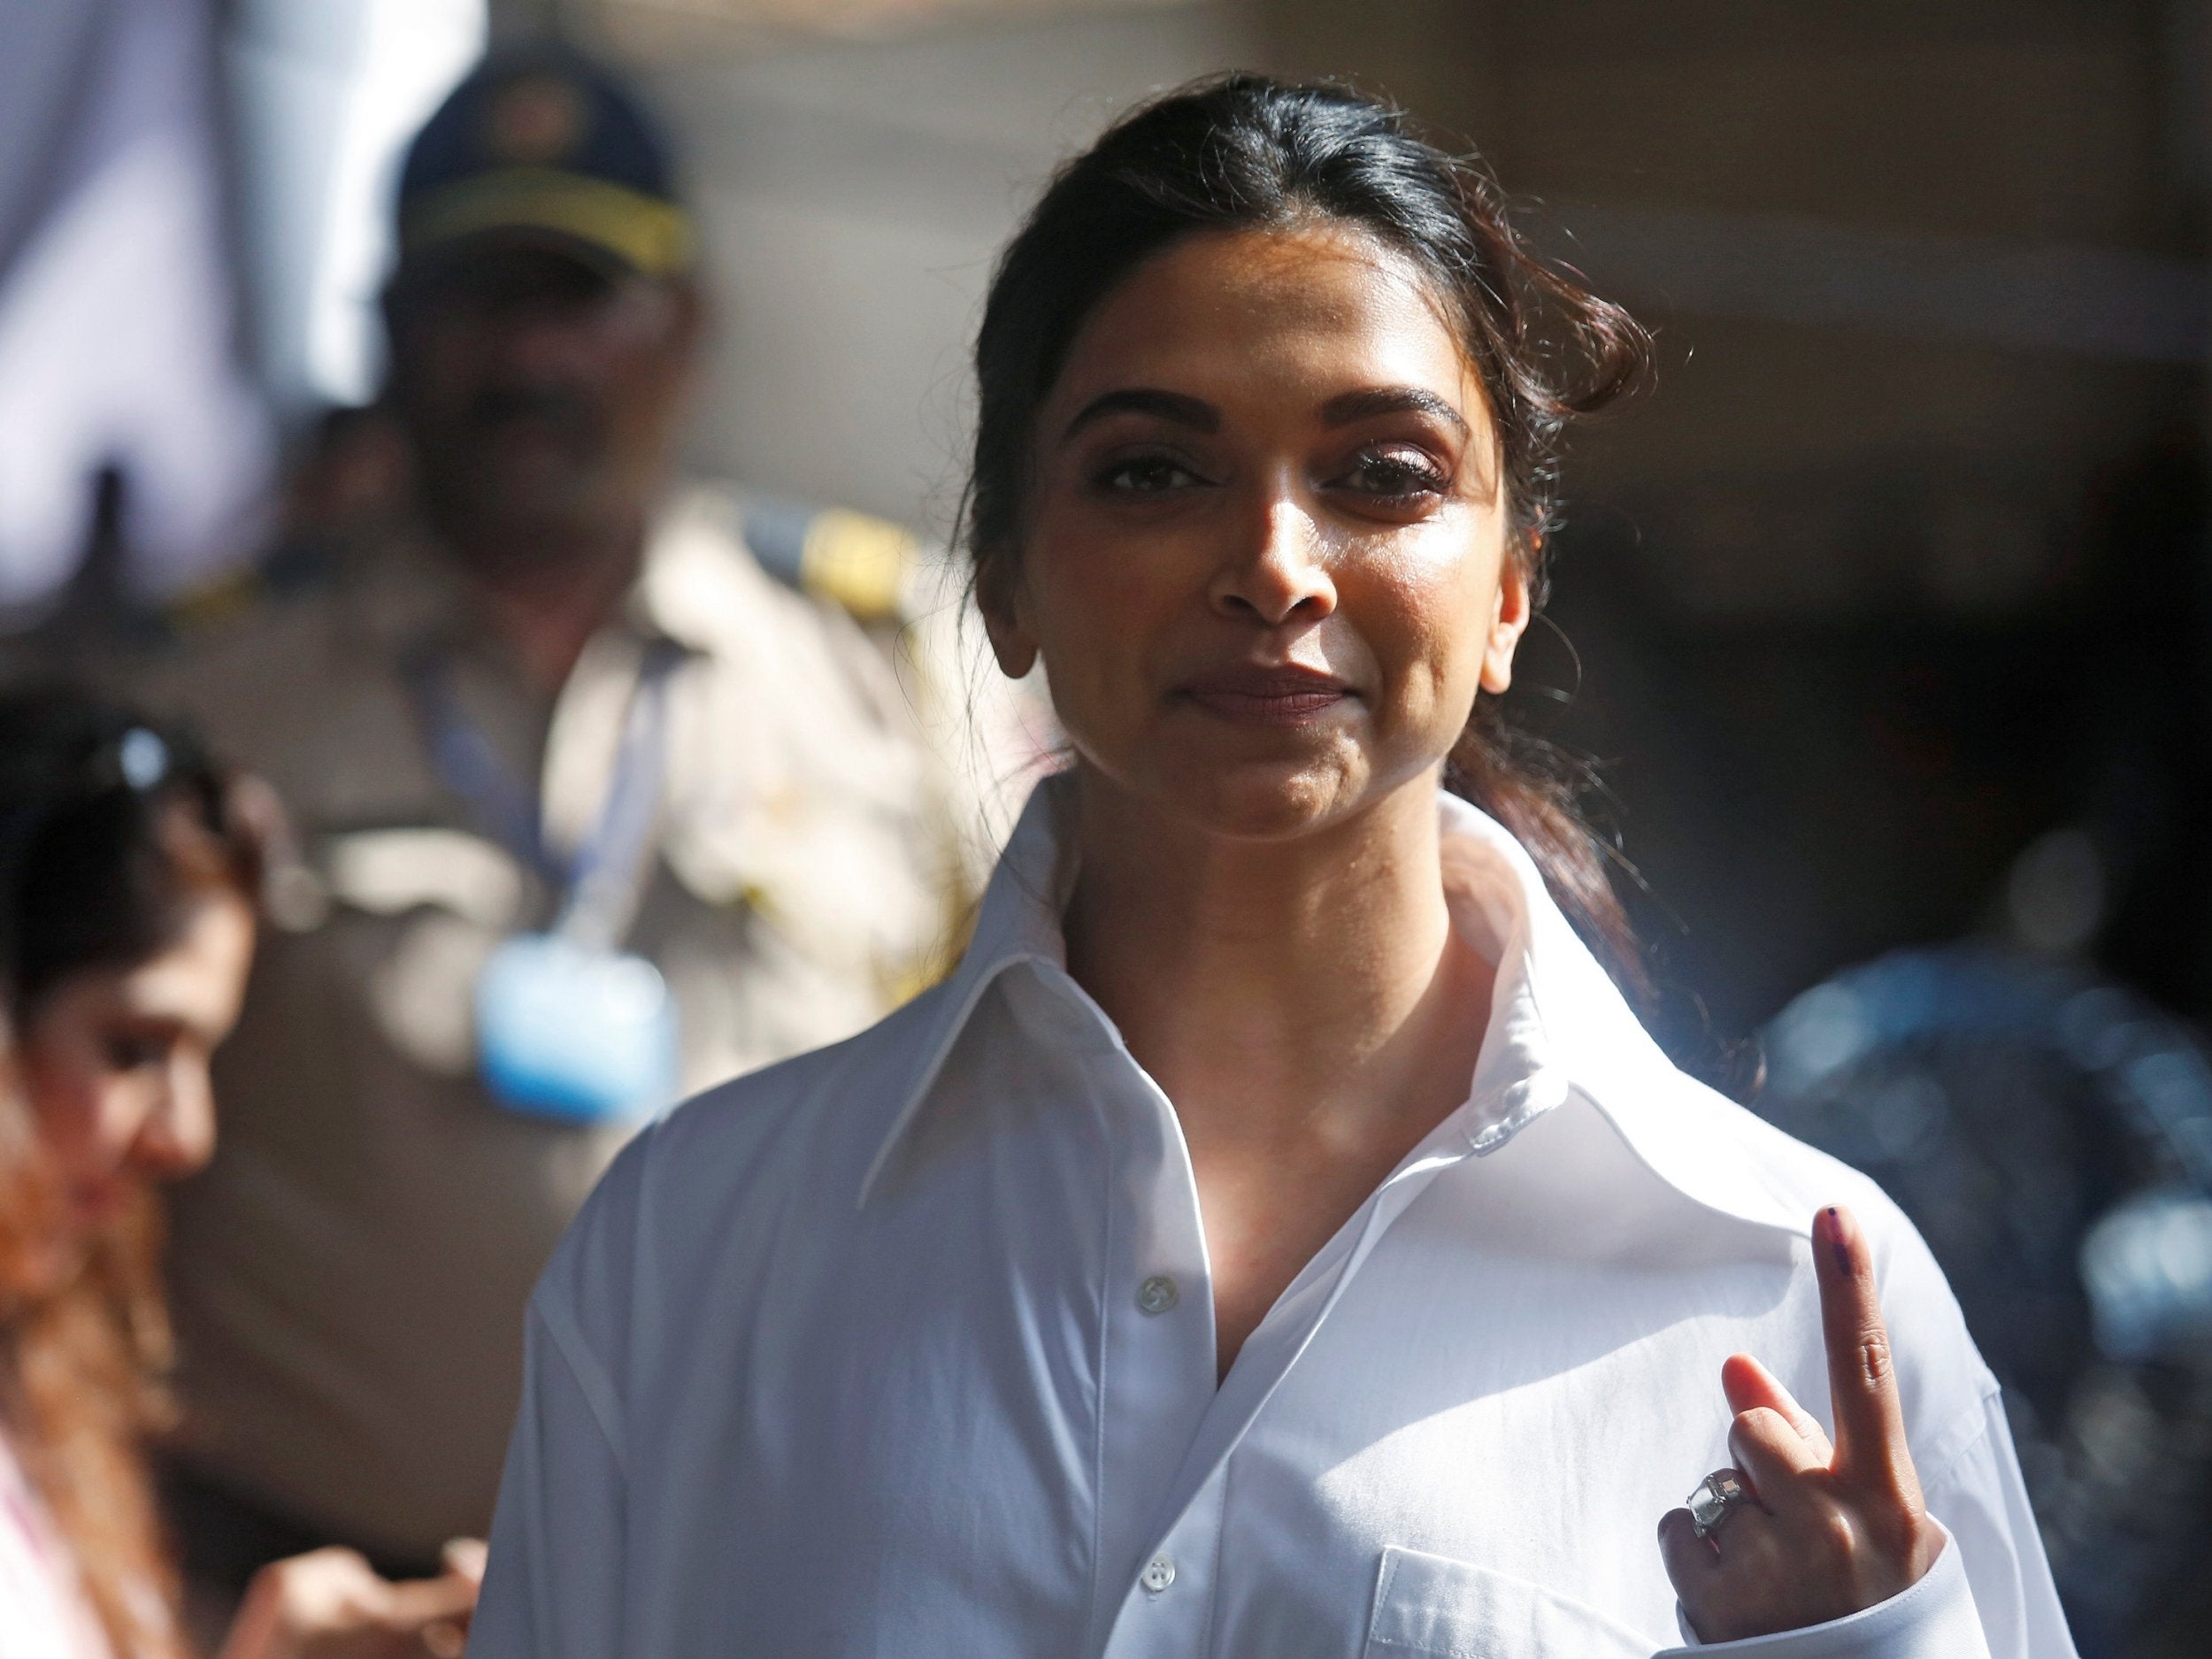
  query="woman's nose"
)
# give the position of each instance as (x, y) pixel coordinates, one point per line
(178, 1136)
(1278, 572)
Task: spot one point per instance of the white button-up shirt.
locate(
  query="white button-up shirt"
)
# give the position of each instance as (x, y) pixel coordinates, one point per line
(906, 1347)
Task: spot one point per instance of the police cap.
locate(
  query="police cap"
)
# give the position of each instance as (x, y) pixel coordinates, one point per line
(540, 140)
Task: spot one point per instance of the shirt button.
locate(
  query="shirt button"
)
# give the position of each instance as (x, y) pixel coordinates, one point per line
(1157, 1294)
(1159, 1572)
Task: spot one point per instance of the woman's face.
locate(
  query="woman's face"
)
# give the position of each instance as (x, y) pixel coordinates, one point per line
(1266, 557)
(114, 1062)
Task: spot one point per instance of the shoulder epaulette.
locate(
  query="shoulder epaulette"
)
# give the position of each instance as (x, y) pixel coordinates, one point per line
(210, 604)
(862, 564)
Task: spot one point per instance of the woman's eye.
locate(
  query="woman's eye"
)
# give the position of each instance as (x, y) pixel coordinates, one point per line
(128, 1053)
(1394, 475)
(1147, 475)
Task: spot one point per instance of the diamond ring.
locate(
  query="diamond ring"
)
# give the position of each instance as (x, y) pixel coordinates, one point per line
(1718, 1494)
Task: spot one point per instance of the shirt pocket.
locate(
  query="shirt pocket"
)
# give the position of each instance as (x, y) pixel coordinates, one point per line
(1438, 1608)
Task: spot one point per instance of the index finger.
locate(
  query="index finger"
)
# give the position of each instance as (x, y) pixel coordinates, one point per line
(1862, 1372)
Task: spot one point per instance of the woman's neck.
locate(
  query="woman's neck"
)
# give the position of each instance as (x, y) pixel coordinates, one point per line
(1304, 1004)
(1300, 988)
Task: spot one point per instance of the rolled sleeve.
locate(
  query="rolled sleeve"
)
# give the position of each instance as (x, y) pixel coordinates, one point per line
(1933, 1619)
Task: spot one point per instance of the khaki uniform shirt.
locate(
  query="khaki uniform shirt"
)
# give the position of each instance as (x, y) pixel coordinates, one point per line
(350, 1272)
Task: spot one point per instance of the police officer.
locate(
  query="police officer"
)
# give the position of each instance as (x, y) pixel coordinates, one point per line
(605, 791)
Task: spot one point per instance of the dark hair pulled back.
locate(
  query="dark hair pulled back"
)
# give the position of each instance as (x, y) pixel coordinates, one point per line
(1241, 152)
(111, 825)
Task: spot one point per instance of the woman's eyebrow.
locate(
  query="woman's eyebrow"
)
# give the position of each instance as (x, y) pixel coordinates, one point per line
(1391, 400)
(1193, 412)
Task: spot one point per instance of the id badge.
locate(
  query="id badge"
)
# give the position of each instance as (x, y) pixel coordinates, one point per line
(566, 1032)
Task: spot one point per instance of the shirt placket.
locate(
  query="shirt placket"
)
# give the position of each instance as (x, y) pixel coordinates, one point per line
(1156, 1336)
(1166, 1614)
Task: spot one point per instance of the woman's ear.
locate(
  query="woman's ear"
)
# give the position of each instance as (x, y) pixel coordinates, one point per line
(1509, 616)
(997, 595)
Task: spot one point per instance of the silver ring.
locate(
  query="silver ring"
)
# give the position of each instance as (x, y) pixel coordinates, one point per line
(1716, 1497)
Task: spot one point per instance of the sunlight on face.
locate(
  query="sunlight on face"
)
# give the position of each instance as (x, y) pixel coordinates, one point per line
(115, 1062)
(1266, 558)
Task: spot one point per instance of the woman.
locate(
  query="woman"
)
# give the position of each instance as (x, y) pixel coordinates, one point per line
(129, 867)
(1278, 1238)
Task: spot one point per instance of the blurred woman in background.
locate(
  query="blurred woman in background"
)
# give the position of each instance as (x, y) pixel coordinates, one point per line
(130, 865)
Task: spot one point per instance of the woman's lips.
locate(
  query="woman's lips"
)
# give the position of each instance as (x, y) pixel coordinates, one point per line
(1251, 693)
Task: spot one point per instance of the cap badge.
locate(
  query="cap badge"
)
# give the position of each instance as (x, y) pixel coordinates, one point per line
(534, 121)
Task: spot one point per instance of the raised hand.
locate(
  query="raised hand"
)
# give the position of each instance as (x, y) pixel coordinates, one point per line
(1824, 1530)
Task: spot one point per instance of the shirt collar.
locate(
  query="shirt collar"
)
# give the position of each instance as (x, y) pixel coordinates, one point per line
(1018, 922)
(1558, 1025)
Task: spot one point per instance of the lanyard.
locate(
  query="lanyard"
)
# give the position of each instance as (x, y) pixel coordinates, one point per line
(601, 884)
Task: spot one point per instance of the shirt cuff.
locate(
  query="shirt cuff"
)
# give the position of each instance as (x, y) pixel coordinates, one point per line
(1933, 1619)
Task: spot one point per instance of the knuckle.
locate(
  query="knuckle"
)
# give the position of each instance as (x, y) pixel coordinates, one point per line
(1835, 1537)
(1759, 1422)
(1875, 1359)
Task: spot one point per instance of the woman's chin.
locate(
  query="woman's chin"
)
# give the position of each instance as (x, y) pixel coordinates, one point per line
(1268, 802)
(1301, 789)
